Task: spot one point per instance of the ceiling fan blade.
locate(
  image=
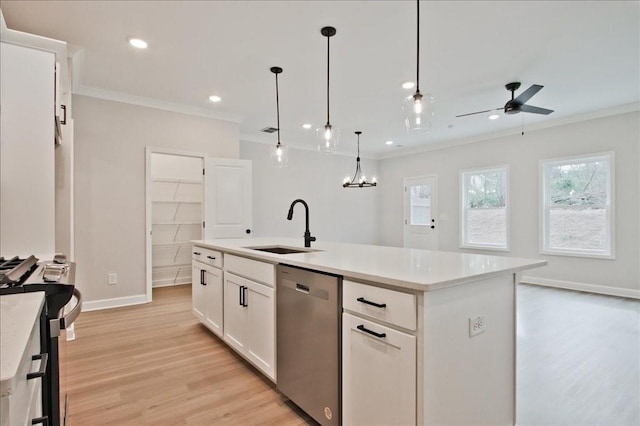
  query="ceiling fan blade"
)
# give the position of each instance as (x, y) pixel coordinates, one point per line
(535, 110)
(479, 112)
(527, 94)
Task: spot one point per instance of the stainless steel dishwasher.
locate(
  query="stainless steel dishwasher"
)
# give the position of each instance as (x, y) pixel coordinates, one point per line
(308, 318)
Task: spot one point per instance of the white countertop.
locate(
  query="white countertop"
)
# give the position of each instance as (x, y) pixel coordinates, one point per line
(18, 314)
(422, 270)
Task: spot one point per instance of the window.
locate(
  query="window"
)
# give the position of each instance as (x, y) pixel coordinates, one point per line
(484, 209)
(577, 206)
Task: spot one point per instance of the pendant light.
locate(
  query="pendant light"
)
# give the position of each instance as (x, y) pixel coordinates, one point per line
(359, 179)
(418, 108)
(328, 135)
(279, 153)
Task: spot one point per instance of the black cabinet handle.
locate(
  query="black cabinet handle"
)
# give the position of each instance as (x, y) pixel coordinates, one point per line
(373, 333)
(377, 305)
(202, 272)
(244, 296)
(44, 357)
(44, 420)
(241, 294)
(211, 257)
(197, 253)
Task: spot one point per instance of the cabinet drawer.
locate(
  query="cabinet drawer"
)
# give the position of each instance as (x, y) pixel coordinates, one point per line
(253, 269)
(208, 256)
(390, 306)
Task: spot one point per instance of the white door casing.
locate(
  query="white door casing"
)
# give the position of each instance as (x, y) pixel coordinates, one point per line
(420, 212)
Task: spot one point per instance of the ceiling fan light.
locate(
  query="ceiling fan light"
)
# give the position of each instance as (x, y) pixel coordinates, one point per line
(494, 116)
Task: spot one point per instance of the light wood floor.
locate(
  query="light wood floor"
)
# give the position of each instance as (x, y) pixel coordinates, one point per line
(155, 364)
(578, 364)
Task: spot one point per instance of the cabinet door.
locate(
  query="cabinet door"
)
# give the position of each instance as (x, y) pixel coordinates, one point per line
(261, 328)
(198, 292)
(378, 374)
(227, 195)
(27, 174)
(213, 295)
(235, 314)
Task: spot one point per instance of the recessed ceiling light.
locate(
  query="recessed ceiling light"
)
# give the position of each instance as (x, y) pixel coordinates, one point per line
(137, 42)
(306, 126)
(408, 85)
(389, 142)
(494, 116)
(215, 98)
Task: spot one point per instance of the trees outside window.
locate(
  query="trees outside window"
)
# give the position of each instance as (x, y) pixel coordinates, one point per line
(484, 209)
(577, 206)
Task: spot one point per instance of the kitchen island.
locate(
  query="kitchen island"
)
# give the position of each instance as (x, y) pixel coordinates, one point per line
(448, 321)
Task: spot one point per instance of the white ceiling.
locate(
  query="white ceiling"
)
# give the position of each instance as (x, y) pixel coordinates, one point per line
(585, 53)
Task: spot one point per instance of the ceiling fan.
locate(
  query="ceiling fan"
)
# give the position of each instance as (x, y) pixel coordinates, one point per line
(519, 104)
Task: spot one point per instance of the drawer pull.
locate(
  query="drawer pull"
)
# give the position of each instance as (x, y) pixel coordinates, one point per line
(38, 420)
(377, 305)
(44, 357)
(197, 253)
(373, 333)
(211, 257)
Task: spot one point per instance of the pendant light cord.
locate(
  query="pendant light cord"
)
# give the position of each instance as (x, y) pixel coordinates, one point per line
(418, 47)
(328, 38)
(278, 108)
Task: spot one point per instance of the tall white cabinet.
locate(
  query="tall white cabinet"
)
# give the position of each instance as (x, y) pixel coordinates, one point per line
(27, 191)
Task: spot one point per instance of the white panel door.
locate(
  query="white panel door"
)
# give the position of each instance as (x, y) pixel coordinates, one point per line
(213, 294)
(420, 213)
(236, 315)
(261, 331)
(227, 198)
(378, 374)
(198, 291)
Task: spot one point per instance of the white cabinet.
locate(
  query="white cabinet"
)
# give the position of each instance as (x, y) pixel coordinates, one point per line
(27, 190)
(379, 374)
(249, 321)
(379, 361)
(207, 291)
(21, 368)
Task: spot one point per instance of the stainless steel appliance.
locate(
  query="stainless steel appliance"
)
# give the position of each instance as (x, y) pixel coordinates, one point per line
(308, 341)
(57, 279)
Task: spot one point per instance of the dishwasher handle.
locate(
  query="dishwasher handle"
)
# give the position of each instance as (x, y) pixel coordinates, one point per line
(302, 288)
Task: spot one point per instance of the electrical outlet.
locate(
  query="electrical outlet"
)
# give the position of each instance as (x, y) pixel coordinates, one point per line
(477, 325)
(112, 279)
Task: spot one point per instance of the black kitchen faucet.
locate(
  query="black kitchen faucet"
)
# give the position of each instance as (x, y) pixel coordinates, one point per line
(307, 235)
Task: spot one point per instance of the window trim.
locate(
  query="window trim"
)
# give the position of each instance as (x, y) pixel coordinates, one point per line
(543, 234)
(463, 210)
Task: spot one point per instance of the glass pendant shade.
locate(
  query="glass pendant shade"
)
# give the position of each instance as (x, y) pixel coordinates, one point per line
(279, 155)
(328, 137)
(418, 112)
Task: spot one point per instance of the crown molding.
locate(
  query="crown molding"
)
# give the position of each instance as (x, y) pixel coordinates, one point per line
(608, 112)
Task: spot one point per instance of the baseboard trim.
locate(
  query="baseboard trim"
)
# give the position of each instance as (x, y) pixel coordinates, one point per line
(117, 302)
(589, 288)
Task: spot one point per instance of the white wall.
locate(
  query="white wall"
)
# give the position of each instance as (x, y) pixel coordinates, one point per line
(620, 133)
(109, 155)
(336, 213)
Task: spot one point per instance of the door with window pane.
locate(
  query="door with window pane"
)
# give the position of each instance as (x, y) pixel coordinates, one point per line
(420, 213)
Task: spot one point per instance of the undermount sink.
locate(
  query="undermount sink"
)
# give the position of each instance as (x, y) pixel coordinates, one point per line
(281, 249)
